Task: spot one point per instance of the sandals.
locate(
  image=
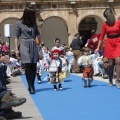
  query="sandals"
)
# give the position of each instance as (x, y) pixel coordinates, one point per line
(117, 82)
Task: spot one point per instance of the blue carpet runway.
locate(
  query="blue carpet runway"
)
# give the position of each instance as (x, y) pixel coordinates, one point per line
(75, 102)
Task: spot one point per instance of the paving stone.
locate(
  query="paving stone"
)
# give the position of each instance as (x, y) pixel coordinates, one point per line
(28, 109)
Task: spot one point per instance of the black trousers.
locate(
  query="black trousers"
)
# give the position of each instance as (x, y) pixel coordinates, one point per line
(30, 72)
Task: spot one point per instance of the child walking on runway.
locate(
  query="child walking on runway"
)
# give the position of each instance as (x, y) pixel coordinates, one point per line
(86, 61)
(55, 70)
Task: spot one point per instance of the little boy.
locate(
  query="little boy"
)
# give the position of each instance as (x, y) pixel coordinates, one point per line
(86, 61)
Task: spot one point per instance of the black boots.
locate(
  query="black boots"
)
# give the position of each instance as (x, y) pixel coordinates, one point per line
(31, 88)
(30, 71)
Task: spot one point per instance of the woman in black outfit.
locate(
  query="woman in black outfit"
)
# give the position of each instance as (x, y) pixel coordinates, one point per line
(27, 29)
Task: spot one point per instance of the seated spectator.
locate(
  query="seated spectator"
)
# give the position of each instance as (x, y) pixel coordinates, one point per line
(7, 98)
(5, 47)
(16, 65)
(101, 67)
(95, 64)
(93, 42)
(1, 50)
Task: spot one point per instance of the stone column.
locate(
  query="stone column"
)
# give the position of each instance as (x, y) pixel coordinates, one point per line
(72, 25)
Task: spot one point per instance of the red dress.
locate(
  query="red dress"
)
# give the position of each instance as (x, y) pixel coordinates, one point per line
(112, 45)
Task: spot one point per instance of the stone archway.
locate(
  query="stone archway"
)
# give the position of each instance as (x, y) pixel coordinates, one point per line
(87, 24)
(8, 21)
(54, 27)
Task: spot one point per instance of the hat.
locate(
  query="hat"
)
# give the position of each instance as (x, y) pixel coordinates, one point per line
(55, 51)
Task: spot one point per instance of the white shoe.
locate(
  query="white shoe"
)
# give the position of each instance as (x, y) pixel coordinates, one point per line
(39, 82)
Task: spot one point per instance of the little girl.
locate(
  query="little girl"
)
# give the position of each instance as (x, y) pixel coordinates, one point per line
(70, 59)
(55, 69)
(86, 61)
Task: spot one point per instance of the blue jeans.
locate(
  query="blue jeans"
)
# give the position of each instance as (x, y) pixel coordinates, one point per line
(101, 52)
(101, 67)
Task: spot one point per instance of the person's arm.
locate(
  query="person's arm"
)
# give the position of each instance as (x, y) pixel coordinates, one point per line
(16, 44)
(17, 34)
(38, 34)
(90, 44)
(101, 38)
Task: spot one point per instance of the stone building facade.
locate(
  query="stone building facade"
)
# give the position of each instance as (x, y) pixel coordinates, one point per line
(61, 18)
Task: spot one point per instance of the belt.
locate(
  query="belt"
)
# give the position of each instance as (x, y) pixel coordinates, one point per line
(113, 36)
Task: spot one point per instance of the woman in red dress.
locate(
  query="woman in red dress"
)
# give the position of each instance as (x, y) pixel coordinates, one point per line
(111, 28)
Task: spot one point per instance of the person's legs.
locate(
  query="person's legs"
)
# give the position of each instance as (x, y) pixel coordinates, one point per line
(110, 70)
(101, 67)
(38, 72)
(117, 61)
(101, 52)
(6, 98)
(3, 88)
(33, 75)
(96, 68)
(30, 71)
(76, 56)
(60, 86)
(2, 115)
(9, 100)
(85, 77)
(102, 70)
(90, 78)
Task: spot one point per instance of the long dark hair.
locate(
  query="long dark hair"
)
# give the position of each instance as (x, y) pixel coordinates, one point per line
(109, 15)
(29, 16)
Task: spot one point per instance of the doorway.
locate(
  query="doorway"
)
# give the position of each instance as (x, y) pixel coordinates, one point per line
(87, 25)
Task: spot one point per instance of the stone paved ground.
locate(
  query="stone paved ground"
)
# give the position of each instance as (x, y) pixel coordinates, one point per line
(28, 109)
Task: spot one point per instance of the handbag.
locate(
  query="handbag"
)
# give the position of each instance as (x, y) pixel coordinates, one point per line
(37, 41)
